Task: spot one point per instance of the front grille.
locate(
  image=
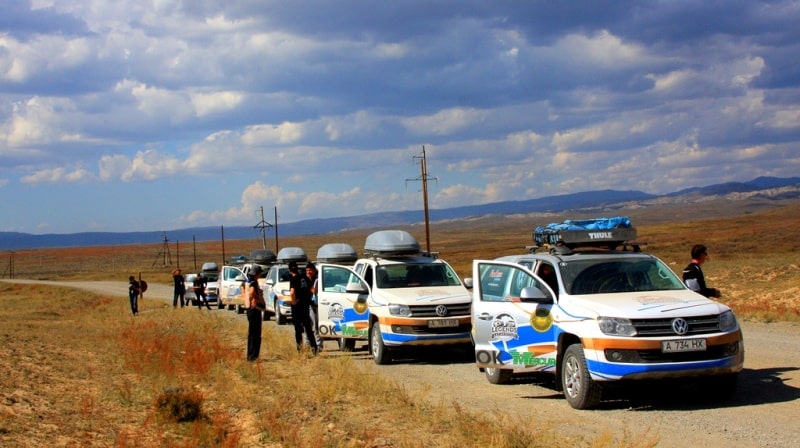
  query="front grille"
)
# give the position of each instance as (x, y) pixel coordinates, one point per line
(655, 356)
(424, 329)
(455, 310)
(663, 327)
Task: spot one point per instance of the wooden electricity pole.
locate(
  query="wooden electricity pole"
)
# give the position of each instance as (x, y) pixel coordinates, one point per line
(424, 179)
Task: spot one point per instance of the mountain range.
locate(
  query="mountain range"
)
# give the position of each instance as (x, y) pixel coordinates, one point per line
(771, 188)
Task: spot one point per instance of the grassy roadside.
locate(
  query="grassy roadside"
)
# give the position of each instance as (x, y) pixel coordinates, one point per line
(80, 371)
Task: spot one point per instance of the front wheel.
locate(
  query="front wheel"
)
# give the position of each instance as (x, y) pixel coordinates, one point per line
(380, 353)
(498, 376)
(347, 344)
(580, 390)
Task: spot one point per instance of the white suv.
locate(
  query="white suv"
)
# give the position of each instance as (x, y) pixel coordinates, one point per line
(276, 284)
(596, 315)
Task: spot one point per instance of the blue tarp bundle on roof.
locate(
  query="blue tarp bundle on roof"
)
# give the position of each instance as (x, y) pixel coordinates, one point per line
(616, 222)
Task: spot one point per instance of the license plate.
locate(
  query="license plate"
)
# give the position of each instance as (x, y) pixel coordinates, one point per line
(443, 323)
(683, 345)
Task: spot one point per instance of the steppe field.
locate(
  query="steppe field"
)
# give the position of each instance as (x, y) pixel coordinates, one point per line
(78, 370)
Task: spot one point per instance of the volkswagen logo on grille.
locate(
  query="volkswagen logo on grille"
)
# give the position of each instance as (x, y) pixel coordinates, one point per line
(441, 310)
(680, 326)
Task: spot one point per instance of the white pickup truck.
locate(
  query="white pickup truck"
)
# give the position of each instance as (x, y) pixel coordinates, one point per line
(591, 314)
(395, 297)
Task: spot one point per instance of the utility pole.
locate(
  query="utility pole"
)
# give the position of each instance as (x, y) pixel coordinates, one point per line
(263, 226)
(164, 252)
(424, 179)
(277, 248)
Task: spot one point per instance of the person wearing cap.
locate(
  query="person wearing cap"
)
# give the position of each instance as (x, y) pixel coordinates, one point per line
(693, 275)
(255, 307)
(200, 291)
(180, 287)
(134, 288)
(300, 293)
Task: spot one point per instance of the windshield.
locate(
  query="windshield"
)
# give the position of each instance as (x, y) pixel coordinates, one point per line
(605, 275)
(410, 275)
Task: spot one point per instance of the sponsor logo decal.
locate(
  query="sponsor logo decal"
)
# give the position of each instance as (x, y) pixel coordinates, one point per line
(541, 320)
(504, 328)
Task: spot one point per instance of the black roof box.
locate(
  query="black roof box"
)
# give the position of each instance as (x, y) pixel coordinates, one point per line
(262, 256)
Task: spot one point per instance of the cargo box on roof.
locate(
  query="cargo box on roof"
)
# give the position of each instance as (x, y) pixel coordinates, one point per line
(391, 243)
(262, 256)
(336, 253)
(210, 267)
(288, 254)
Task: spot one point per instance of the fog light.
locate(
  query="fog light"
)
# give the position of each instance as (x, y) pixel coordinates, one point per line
(615, 355)
(730, 349)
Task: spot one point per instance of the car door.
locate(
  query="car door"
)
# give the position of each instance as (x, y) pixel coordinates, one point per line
(512, 322)
(342, 296)
(230, 284)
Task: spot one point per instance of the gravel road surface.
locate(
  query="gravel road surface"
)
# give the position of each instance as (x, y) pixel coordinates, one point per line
(763, 413)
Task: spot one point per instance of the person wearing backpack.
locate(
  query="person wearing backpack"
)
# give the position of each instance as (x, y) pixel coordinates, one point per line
(255, 307)
(133, 294)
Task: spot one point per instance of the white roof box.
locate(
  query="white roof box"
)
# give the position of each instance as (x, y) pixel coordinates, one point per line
(288, 254)
(210, 267)
(391, 242)
(336, 253)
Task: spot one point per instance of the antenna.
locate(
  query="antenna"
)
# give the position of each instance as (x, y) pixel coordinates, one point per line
(164, 252)
(424, 178)
(263, 226)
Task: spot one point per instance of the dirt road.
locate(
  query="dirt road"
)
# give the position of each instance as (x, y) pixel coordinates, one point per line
(763, 413)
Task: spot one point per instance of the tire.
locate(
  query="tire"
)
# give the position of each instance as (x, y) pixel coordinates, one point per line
(279, 317)
(347, 344)
(498, 376)
(380, 353)
(580, 390)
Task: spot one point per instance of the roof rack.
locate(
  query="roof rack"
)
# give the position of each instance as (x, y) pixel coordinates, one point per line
(607, 233)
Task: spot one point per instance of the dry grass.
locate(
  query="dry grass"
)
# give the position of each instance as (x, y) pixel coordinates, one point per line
(86, 373)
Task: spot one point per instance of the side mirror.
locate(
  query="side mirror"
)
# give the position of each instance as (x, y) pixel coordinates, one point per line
(270, 282)
(533, 294)
(356, 287)
(240, 278)
(468, 283)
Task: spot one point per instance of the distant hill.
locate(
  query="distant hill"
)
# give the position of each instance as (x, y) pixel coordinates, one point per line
(762, 187)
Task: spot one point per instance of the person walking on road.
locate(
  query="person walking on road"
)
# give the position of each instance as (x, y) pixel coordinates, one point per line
(311, 273)
(200, 291)
(300, 293)
(693, 275)
(133, 294)
(255, 307)
(180, 288)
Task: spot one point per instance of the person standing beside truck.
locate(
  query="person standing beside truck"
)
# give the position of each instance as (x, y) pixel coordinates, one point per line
(255, 307)
(693, 276)
(311, 273)
(300, 293)
(133, 294)
(180, 288)
(200, 291)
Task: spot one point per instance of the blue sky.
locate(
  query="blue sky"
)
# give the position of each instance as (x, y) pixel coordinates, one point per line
(131, 115)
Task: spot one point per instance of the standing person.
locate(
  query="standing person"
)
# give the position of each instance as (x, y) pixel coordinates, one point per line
(133, 294)
(693, 274)
(200, 291)
(180, 288)
(300, 293)
(255, 307)
(311, 273)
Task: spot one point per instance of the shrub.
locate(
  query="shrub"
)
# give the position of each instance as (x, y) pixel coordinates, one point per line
(179, 405)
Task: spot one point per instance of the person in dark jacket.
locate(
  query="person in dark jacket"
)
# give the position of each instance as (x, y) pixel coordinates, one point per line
(693, 274)
(179, 290)
(200, 291)
(133, 294)
(300, 292)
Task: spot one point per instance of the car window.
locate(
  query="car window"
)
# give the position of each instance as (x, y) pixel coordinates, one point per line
(411, 275)
(501, 283)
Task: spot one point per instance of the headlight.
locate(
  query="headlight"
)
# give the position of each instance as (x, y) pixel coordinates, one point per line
(399, 310)
(616, 326)
(727, 321)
